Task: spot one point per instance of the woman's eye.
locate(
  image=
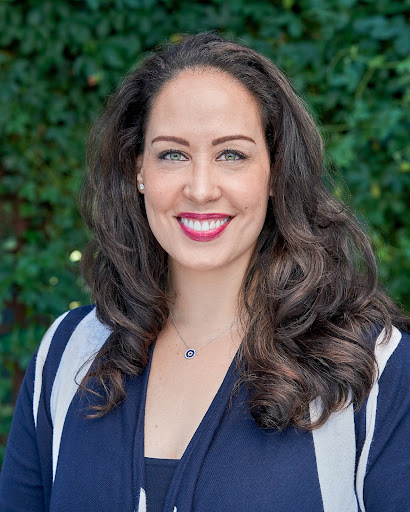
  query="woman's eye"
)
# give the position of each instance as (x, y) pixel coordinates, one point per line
(174, 156)
(231, 156)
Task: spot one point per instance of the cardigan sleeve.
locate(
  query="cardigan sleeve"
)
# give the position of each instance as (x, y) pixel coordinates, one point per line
(386, 484)
(26, 478)
(21, 484)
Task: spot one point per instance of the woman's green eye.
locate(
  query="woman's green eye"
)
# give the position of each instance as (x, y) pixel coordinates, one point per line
(231, 156)
(174, 156)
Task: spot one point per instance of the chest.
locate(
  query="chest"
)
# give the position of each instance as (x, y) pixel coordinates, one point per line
(230, 464)
(179, 393)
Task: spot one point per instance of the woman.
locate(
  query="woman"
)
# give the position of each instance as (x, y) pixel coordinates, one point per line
(240, 355)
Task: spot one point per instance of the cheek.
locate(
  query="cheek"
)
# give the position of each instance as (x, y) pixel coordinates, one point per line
(157, 194)
(256, 201)
(153, 207)
(160, 203)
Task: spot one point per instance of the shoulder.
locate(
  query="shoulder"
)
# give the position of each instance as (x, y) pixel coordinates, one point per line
(389, 400)
(66, 351)
(390, 397)
(64, 356)
(393, 362)
(385, 427)
(80, 322)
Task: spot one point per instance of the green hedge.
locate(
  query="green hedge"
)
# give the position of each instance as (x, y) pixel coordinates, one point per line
(59, 60)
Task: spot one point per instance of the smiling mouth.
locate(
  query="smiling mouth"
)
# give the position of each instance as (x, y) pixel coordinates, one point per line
(203, 226)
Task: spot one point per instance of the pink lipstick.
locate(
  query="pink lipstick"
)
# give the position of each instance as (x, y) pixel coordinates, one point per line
(203, 227)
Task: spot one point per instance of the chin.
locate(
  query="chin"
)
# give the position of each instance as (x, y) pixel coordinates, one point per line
(199, 264)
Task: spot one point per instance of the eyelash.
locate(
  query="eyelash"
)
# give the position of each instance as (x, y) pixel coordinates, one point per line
(162, 155)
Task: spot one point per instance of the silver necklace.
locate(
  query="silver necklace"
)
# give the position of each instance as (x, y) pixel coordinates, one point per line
(190, 353)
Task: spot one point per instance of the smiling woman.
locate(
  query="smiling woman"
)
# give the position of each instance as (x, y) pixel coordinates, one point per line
(234, 298)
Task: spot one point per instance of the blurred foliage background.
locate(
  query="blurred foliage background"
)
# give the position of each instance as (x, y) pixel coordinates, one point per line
(60, 59)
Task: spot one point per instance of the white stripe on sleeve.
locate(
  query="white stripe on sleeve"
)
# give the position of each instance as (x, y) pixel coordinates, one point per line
(86, 340)
(335, 450)
(383, 351)
(40, 360)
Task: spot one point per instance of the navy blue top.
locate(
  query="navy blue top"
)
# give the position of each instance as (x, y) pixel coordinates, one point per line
(58, 460)
(158, 476)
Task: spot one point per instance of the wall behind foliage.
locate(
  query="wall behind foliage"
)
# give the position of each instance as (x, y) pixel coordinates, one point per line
(60, 59)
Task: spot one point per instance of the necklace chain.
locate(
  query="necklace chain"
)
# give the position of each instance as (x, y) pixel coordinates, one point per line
(191, 352)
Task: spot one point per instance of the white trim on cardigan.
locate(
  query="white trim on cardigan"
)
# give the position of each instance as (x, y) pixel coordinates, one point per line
(40, 360)
(82, 347)
(335, 449)
(335, 444)
(383, 351)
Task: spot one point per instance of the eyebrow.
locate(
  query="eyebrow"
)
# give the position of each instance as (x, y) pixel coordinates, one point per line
(220, 140)
(170, 138)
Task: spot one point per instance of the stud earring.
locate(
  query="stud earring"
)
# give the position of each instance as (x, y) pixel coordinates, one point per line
(141, 186)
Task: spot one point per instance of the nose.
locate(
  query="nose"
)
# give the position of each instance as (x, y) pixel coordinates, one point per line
(202, 183)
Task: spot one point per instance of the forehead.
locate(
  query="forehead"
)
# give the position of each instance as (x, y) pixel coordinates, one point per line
(203, 100)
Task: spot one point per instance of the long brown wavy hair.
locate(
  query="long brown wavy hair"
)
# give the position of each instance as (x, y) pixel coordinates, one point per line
(310, 291)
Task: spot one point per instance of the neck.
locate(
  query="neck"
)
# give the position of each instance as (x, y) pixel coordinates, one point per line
(205, 299)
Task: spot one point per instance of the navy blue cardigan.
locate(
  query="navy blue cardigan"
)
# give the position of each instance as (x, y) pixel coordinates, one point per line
(59, 461)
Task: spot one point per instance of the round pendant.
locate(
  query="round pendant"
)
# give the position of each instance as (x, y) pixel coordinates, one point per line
(190, 353)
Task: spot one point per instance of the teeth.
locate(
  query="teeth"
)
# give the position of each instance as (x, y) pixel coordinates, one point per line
(203, 226)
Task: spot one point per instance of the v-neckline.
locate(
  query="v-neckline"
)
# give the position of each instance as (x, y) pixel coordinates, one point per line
(188, 466)
(220, 394)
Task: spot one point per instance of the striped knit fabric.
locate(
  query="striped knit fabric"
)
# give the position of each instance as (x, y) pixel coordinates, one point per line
(59, 461)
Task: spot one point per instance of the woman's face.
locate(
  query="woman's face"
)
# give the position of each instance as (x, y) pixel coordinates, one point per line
(205, 170)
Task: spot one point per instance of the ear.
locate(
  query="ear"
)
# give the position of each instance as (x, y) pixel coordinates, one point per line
(138, 168)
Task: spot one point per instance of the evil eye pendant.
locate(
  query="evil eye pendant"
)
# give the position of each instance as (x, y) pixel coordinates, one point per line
(190, 353)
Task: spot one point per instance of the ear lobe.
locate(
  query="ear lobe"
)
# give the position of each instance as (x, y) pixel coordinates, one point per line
(138, 168)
